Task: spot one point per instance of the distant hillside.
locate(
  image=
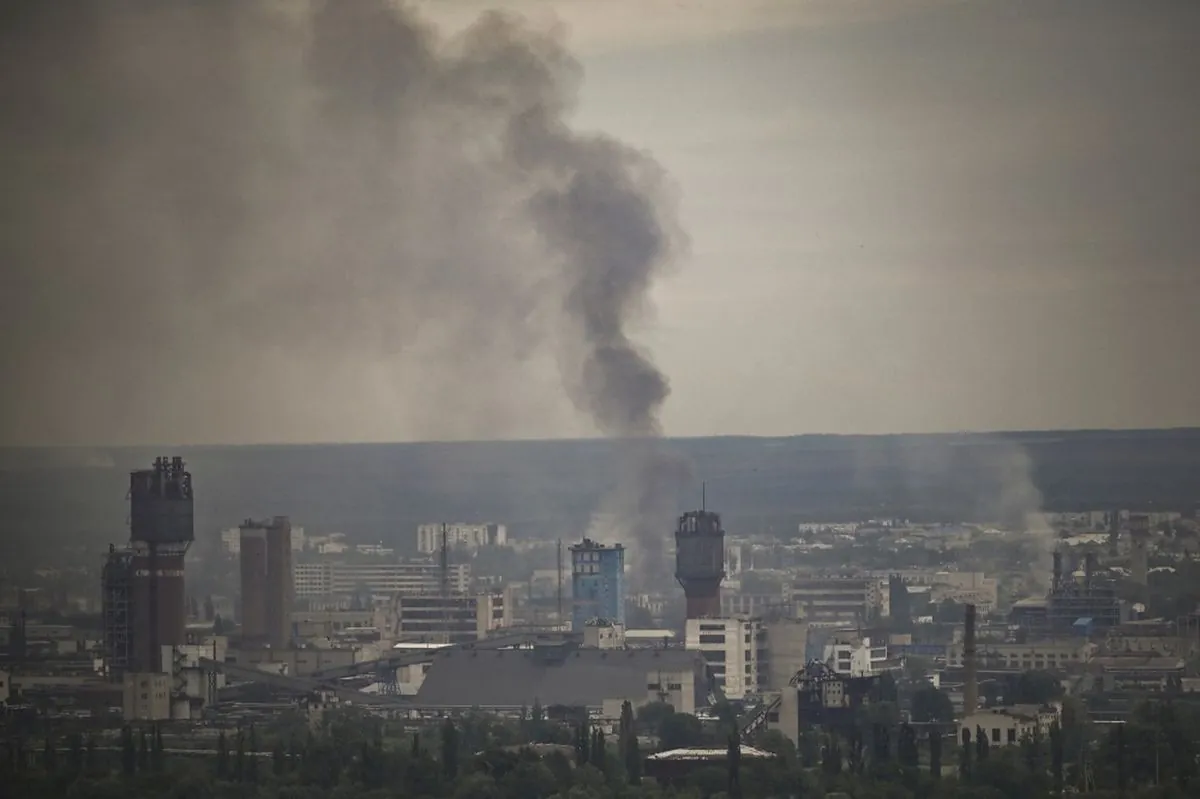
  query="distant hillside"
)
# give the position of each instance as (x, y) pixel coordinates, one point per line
(550, 488)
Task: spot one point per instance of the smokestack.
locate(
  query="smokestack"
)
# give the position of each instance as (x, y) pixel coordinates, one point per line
(1056, 575)
(1089, 568)
(971, 680)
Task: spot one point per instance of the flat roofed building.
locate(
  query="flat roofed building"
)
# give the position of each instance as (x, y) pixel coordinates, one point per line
(567, 676)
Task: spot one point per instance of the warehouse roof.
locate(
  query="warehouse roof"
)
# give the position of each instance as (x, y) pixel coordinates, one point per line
(511, 678)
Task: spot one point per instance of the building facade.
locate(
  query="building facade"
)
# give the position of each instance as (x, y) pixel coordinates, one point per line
(379, 579)
(597, 583)
(268, 592)
(735, 650)
(450, 619)
(460, 536)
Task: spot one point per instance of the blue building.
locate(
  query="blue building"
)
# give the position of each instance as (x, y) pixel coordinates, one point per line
(597, 583)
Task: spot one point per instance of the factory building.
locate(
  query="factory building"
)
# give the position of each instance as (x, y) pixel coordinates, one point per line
(267, 588)
(142, 585)
(379, 579)
(460, 536)
(597, 583)
(700, 562)
(567, 675)
(840, 600)
(448, 618)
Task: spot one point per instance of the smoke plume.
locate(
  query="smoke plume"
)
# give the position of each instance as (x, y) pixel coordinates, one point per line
(239, 217)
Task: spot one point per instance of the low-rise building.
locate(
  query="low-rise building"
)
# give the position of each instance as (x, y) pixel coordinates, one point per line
(598, 679)
(146, 697)
(1008, 726)
(1037, 655)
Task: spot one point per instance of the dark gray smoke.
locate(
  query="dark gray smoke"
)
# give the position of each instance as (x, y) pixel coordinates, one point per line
(237, 219)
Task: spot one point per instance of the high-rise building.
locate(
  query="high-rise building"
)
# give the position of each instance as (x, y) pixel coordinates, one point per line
(460, 535)
(267, 588)
(597, 583)
(160, 532)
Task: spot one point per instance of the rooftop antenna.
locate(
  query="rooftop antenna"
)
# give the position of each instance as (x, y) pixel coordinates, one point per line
(703, 495)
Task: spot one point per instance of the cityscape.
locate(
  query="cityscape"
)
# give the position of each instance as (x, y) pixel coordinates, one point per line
(982, 637)
(564, 399)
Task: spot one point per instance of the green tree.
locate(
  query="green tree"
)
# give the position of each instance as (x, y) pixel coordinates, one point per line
(964, 755)
(930, 704)
(981, 744)
(128, 752)
(733, 757)
(278, 760)
(935, 753)
(239, 763)
(1056, 758)
(49, 757)
(157, 753)
(906, 750)
(628, 744)
(449, 750)
(252, 757)
(143, 752)
(222, 756)
(680, 730)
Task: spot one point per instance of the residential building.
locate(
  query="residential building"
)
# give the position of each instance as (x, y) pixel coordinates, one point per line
(735, 650)
(597, 583)
(231, 540)
(460, 536)
(378, 579)
(851, 655)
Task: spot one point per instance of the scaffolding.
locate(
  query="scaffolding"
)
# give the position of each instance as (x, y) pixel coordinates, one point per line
(117, 589)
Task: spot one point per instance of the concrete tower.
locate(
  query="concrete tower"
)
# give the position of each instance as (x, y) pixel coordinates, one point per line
(700, 562)
(161, 529)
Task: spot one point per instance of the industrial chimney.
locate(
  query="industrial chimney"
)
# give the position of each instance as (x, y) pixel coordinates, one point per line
(700, 562)
(1056, 575)
(970, 675)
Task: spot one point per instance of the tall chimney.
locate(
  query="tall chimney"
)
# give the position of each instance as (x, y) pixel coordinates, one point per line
(970, 677)
(1089, 568)
(1056, 575)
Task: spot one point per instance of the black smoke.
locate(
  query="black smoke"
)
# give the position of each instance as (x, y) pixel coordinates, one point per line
(236, 219)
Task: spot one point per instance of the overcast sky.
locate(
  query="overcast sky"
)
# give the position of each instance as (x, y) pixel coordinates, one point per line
(903, 217)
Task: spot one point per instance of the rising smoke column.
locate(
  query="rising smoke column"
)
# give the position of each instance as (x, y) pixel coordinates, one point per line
(246, 192)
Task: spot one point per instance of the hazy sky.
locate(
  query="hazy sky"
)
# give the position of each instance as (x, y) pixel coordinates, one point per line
(903, 217)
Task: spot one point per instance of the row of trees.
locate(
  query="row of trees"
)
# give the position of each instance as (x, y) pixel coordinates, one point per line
(351, 754)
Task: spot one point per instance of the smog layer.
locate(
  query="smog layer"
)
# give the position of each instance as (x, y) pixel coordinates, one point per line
(208, 201)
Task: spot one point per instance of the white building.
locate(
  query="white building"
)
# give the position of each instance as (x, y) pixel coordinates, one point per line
(231, 540)
(735, 650)
(146, 697)
(378, 579)
(461, 536)
(1008, 726)
(853, 656)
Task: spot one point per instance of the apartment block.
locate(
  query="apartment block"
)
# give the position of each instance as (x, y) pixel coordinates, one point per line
(460, 536)
(735, 650)
(380, 579)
